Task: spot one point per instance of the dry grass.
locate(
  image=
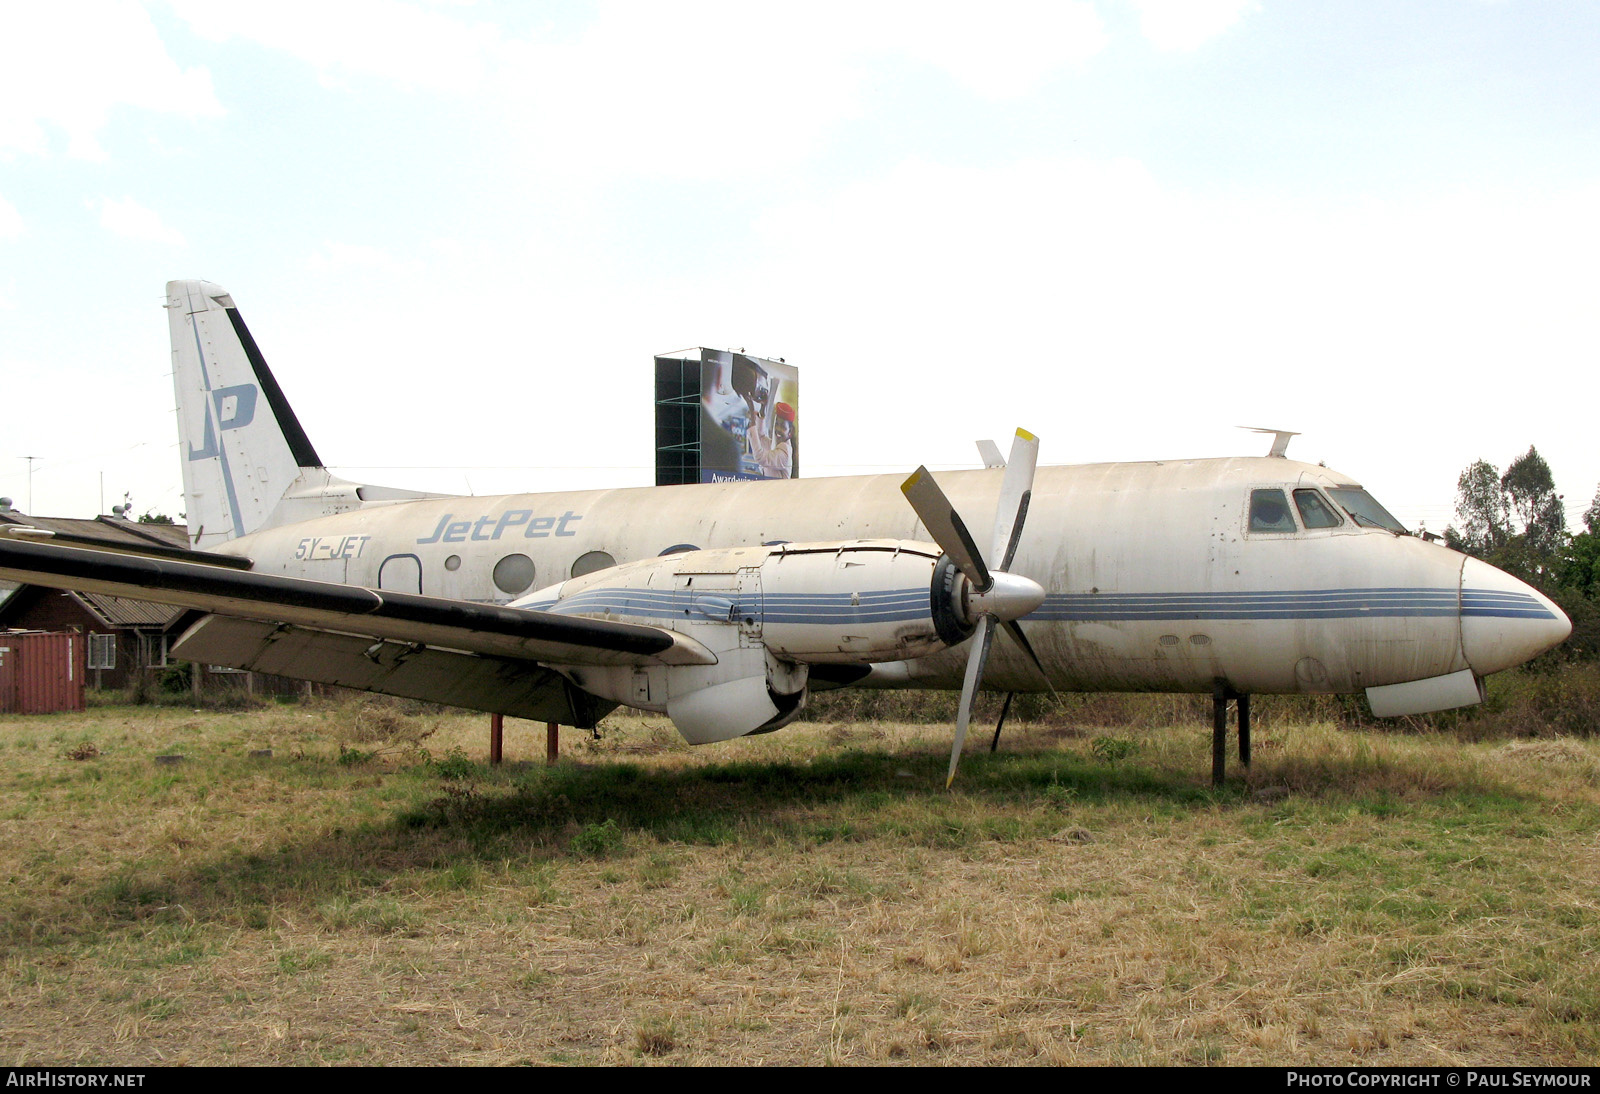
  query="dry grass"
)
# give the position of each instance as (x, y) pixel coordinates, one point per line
(811, 896)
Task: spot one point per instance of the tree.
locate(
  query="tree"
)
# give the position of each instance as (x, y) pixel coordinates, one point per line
(1531, 498)
(1580, 565)
(1517, 522)
(1480, 510)
(149, 517)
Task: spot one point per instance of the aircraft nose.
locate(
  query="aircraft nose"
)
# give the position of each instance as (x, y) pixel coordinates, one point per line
(1505, 622)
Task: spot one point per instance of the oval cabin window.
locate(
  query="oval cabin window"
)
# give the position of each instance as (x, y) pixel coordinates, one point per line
(513, 574)
(590, 562)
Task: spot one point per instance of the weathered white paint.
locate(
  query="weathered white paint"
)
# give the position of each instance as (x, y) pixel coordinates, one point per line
(1151, 576)
(1100, 530)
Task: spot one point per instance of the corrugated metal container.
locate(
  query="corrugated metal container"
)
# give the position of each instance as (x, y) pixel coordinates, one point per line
(40, 672)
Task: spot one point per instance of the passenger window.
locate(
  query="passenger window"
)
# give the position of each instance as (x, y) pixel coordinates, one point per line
(591, 562)
(1315, 512)
(1269, 512)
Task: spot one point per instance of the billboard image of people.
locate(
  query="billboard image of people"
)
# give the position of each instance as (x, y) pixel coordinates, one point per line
(749, 408)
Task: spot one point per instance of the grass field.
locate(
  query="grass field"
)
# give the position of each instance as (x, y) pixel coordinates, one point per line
(370, 893)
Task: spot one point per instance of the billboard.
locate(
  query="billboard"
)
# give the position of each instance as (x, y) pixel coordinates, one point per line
(749, 425)
(725, 415)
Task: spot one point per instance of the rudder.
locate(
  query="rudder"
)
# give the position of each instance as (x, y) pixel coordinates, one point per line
(239, 454)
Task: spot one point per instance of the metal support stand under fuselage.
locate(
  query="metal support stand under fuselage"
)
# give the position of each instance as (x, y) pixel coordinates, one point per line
(1244, 730)
(998, 726)
(1220, 694)
(497, 728)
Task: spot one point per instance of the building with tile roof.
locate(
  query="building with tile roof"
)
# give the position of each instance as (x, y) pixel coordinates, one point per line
(131, 635)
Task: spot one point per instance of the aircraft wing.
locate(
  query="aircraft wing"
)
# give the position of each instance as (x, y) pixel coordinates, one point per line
(499, 685)
(28, 534)
(481, 656)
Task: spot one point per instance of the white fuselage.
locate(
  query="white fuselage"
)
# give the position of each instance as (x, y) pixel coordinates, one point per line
(1153, 577)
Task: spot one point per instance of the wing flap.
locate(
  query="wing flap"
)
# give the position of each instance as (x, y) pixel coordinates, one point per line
(492, 684)
(489, 629)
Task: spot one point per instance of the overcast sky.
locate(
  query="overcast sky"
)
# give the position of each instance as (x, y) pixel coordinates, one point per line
(460, 230)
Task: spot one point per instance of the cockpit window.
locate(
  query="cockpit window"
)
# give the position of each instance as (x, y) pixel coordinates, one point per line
(1315, 512)
(1269, 512)
(1365, 510)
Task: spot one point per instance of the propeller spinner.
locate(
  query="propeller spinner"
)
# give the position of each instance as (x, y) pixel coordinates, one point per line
(988, 596)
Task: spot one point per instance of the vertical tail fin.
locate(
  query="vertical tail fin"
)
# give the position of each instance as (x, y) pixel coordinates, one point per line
(247, 462)
(242, 447)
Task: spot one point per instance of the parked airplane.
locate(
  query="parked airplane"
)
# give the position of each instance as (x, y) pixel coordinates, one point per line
(723, 605)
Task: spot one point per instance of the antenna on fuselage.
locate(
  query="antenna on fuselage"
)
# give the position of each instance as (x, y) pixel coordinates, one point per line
(990, 453)
(1280, 439)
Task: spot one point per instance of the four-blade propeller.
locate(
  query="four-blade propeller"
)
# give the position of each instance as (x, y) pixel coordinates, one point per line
(989, 595)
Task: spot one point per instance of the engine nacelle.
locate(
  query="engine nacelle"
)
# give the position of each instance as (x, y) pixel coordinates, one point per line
(767, 613)
(860, 602)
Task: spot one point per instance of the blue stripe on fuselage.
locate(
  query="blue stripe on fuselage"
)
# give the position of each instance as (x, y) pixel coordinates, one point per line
(899, 605)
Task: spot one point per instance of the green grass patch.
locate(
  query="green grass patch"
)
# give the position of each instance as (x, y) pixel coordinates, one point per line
(809, 896)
